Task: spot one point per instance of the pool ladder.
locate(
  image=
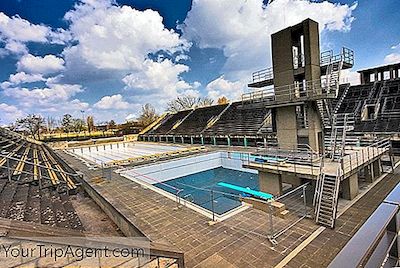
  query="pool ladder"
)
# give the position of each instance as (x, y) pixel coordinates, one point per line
(188, 198)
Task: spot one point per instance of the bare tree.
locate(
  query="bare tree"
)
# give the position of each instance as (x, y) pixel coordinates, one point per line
(33, 123)
(185, 102)
(90, 123)
(148, 115)
(78, 125)
(51, 123)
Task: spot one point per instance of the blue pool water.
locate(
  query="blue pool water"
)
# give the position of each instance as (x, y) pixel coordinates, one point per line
(193, 184)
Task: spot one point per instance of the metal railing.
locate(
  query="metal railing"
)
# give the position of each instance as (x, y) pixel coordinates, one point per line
(327, 57)
(262, 75)
(360, 156)
(298, 161)
(346, 55)
(315, 89)
(295, 202)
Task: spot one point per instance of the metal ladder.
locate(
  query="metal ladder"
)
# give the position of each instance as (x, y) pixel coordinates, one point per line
(326, 198)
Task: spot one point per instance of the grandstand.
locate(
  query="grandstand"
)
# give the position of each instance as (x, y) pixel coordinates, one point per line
(35, 186)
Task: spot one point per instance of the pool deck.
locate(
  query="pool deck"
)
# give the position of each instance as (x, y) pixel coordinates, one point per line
(239, 241)
(360, 157)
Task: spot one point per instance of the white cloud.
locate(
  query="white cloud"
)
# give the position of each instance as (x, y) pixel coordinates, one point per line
(112, 102)
(392, 58)
(40, 65)
(16, 47)
(18, 29)
(349, 76)
(22, 77)
(396, 46)
(161, 78)
(9, 113)
(242, 28)
(51, 97)
(119, 38)
(222, 87)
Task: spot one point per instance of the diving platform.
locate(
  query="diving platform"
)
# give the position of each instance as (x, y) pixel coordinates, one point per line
(265, 77)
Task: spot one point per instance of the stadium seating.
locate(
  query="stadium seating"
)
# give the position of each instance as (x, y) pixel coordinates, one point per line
(384, 96)
(197, 121)
(239, 120)
(169, 122)
(37, 186)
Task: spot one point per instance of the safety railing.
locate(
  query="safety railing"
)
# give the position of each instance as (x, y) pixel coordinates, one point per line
(346, 55)
(262, 75)
(296, 209)
(291, 161)
(316, 89)
(362, 155)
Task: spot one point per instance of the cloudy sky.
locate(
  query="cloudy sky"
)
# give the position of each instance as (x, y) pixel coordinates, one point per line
(110, 57)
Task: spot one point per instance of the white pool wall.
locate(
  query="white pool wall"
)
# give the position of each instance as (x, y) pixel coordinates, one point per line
(164, 171)
(104, 153)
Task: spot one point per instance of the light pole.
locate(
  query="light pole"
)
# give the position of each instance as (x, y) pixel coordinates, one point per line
(83, 118)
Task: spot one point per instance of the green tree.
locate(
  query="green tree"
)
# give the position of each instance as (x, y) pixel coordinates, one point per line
(67, 123)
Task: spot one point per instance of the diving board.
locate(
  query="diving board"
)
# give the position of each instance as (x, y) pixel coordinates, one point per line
(246, 190)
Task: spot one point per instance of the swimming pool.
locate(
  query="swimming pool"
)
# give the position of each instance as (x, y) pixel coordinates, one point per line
(194, 179)
(202, 188)
(106, 153)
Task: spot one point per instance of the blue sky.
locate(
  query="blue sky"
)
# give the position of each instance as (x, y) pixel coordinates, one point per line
(109, 58)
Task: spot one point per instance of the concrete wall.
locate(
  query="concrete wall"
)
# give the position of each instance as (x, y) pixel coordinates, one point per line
(170, 170)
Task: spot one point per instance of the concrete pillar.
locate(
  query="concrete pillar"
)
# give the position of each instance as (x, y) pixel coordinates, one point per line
(173, 139)
(391, 73)
(191, 140)
(362, 78)
(245, 141)
(202, 140)
(377, 168)
(229, 141)
(350, 187)
(292, 179)
(286, 127)
(270, 183)
(214, 141)
(315, 131)
(368, 174)
(182, 139)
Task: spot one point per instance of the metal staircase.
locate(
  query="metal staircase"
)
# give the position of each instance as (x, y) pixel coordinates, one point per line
(332, 81)
(340, 101)
(326, 198)
(324, 109)
(342, 123)
(333, 76)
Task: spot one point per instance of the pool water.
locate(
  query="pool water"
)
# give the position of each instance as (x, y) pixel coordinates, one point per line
(196, 188)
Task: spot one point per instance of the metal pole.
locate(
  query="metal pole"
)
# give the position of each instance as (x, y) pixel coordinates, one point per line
(270, 220)
(8, 170)
(40, 178)
(212, 205)
(305, 201)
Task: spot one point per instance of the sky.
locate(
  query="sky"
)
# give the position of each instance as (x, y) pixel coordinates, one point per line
(109, 57)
